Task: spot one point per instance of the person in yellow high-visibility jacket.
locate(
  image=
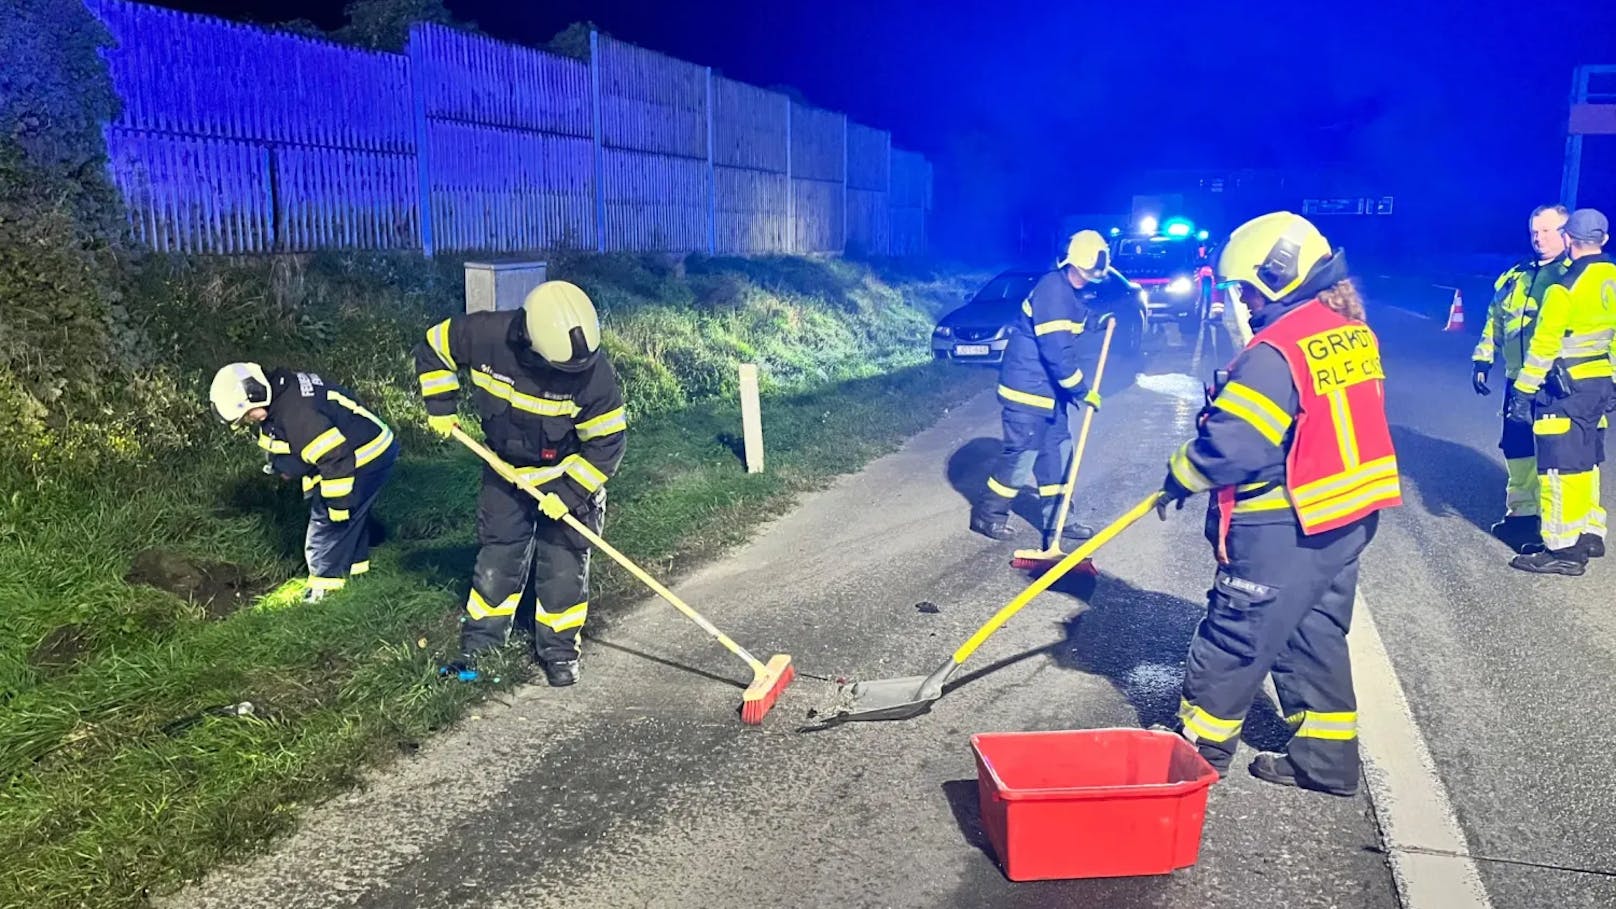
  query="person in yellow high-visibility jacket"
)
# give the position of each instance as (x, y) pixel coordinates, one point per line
(1517, 296)
(1565, 387)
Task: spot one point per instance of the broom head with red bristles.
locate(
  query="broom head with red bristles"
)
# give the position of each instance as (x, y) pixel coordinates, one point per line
(766, 687)
(1041, 560)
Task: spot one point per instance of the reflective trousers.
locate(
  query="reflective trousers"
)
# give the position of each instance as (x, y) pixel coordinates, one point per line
(1570, 436)
(519, 546)
(1521, 489)
(1281, 606)
(338, 550)
(1036, 449)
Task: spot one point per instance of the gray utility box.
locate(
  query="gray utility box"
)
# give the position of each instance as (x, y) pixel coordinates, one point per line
(500, 284)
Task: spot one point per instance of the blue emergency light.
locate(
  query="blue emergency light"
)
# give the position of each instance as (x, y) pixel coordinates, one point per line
(1177, 227)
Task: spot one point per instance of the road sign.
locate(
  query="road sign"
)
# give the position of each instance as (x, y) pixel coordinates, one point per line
(1344, 206)
(1593, 120)
(1338, 206)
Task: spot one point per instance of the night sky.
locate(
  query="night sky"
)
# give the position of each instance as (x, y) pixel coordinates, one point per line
(1031, 108)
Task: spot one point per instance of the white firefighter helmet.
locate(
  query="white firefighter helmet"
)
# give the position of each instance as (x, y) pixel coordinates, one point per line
(1274, 253)
(238, 388)
(562, 326)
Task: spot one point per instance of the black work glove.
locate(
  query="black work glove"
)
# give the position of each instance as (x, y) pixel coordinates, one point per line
(1478, 377)
(1520, 408)
(1172, 492)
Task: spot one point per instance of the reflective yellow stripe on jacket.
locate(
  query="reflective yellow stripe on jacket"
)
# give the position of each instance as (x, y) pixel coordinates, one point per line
(544, 407)
(606, 424)
(323, 444)
(1345, 492)
(1256, 409)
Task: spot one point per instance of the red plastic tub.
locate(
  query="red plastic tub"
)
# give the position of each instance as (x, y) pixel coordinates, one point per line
(1091, 803)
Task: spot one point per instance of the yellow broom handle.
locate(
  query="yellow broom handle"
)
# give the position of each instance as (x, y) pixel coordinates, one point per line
(1044, 582)
(1082, 438)
(505, 470)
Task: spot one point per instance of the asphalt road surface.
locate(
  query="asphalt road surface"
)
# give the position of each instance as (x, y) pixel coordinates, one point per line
(639, 787)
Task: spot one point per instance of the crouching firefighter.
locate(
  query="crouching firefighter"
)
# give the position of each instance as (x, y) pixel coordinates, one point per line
(320, 434)
(551, 406)
(1564, 392)
(1042, 374)
(1297, 454)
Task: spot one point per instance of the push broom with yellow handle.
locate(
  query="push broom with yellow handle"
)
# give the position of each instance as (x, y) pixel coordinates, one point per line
(768, 679)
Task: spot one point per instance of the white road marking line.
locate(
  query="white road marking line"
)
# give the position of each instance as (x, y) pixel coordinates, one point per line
(1410, 802)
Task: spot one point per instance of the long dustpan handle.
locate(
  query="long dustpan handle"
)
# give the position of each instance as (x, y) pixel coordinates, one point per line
(1054, 574)
(1082, 439)
(508, 472)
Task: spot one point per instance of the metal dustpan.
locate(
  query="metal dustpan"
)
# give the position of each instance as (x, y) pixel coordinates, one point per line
(910, 696)
(890, 699)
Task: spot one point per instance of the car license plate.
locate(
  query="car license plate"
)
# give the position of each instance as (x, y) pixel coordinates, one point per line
(971, 350)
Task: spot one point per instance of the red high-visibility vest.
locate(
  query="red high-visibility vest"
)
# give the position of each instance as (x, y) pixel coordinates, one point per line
(1341, 466)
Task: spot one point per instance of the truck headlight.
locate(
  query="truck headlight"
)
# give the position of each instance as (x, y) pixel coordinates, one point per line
(1180, 286)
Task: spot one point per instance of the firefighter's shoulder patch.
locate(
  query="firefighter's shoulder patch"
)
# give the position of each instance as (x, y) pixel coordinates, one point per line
(306, 382)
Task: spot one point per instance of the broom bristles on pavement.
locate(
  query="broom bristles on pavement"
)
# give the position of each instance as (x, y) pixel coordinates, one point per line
(1027, 563)
(765, 688)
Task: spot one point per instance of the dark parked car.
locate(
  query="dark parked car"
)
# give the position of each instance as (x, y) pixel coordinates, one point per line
(978, 331)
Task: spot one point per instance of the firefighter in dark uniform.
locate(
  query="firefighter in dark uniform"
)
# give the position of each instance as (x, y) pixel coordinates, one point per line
(1295, 448)
(1564, 391)
(552, 407)
(319, 434)
(1517, 296)
(1041, 375)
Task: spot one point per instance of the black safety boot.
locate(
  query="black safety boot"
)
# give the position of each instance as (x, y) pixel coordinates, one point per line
(1571, 562)
(1592, 545)
(561, 673)
(1219, 755)
(1519, 532)
(1277, 769)
(1076, 533)
(991, 528)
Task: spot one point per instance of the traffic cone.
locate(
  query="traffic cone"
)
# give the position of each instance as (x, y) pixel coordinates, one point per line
(1456, 312)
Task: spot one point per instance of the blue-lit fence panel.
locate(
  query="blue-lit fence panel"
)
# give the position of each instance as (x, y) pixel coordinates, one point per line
(869, 175)
(655, 173)
(655, 203)
(910, 199)
(751, 192)
(510, 190)
(235, 139)
(510, 149)
(345, 199)
(818, 178)
(188, 194)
